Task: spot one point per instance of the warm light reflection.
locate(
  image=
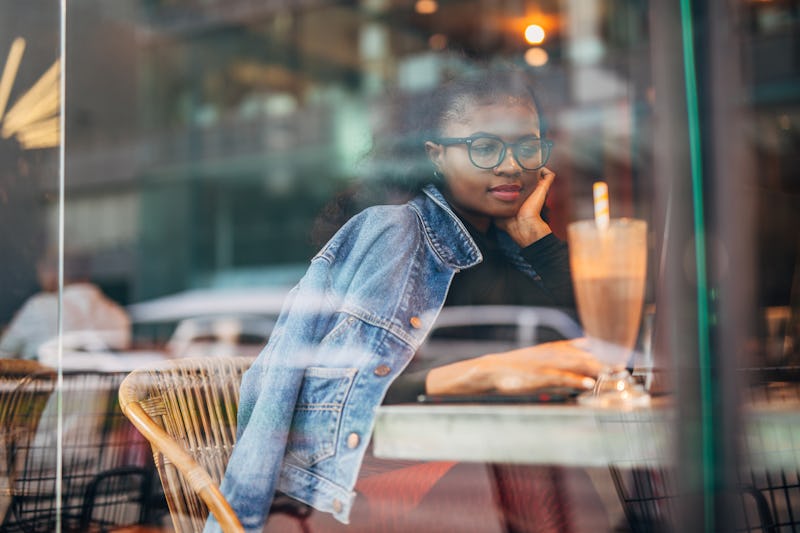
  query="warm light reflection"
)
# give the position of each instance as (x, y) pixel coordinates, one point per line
(534, 34)
(437, 41)
(552, 24)
(426, 7)
(33, 119)
(10, 72)
(41, 134)
(536, 56)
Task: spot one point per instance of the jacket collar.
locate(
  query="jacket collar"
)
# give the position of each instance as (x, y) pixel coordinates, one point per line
(449, 238)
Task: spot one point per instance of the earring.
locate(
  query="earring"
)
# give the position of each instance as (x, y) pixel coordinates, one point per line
(438, 175)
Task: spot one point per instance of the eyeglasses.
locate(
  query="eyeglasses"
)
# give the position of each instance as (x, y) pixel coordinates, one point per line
(488, 151)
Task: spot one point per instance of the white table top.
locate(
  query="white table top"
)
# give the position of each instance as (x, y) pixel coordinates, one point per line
(121, 361)
(569, 435)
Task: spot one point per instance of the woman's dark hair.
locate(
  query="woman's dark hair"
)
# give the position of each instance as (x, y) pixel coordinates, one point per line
(453, 100)
(398, 159)
(397, 167)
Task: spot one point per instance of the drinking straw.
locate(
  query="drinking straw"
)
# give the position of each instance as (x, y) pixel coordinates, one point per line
(601, 215)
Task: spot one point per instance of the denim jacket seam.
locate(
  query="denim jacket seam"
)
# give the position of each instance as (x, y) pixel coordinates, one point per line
(432, 235)
(379, 322)
(295, 470)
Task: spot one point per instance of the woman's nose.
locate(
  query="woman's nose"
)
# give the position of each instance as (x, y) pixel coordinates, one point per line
(508, 165)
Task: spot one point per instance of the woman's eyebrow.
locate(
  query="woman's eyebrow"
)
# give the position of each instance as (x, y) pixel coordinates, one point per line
(483, 133)
(503, 137)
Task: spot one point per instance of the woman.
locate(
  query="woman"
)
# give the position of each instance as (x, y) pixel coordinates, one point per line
(372, 293)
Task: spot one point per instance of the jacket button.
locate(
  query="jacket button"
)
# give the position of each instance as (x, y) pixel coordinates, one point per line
(352, 440)
(415, 322)
(337, 506)
(381, 370)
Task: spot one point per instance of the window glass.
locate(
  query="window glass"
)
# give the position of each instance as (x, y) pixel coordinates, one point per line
(30, 110)
(214, 147)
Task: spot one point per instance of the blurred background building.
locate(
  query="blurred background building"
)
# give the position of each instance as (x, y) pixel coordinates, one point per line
(205, 136)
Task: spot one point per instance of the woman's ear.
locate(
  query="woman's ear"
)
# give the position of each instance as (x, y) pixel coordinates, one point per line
(435, 152)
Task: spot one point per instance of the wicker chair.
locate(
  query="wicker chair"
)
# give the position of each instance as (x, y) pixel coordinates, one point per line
(25, 387)
(106, 470)
(187, 410)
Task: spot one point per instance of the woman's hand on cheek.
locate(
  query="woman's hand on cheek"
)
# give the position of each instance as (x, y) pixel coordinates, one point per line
(527, 226)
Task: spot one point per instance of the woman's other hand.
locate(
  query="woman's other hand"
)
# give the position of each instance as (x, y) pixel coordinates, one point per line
(528, 226)
(552, 364)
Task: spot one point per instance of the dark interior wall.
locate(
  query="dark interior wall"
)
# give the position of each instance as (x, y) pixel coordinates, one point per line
(23, 172)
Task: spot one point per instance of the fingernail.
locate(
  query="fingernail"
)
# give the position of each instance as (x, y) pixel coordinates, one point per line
(588, 383)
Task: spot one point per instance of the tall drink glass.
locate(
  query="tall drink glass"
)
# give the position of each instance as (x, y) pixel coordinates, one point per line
(608, 273)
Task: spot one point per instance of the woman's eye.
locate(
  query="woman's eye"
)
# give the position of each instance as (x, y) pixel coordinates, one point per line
(484, 147)
(528, 150)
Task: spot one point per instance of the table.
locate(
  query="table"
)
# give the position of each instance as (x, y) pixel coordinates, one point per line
(568, 435)
(102, 361)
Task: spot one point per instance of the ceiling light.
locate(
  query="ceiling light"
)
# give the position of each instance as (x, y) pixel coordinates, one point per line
(534, 34)
(426, 7)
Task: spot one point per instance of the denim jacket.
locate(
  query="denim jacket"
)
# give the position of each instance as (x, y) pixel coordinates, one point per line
(347, 330)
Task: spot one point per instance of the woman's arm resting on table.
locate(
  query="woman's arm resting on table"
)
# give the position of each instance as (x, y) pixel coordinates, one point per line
(559, 363)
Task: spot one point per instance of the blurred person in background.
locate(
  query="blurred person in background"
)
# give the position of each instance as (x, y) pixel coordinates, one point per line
(90, 319)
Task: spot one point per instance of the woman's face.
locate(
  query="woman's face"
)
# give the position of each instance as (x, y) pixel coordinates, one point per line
(480, 195)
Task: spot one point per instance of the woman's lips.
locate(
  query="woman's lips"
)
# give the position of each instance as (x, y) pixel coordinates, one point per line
(506, 193)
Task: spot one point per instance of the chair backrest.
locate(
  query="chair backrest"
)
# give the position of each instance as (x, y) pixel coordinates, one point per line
(25, 387)
(105, 465)
(187, 410)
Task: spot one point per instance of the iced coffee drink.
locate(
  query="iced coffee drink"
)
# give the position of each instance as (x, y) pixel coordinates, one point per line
(608, 271)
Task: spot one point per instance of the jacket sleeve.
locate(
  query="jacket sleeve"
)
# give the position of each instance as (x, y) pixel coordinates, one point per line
(316, 329)
(267, 399)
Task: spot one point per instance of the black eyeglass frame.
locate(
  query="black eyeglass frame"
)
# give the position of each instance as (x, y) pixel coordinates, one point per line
(547, 146)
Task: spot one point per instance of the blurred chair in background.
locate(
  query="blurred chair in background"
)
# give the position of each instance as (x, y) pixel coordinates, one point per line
(107, 473)
(25, 387)
(768, 495)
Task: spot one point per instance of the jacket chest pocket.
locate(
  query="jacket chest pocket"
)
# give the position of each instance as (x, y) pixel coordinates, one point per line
(318, 413)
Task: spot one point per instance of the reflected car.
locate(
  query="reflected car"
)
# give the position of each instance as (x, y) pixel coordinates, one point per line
(469, 331)
(239, 322)
(209, 322)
